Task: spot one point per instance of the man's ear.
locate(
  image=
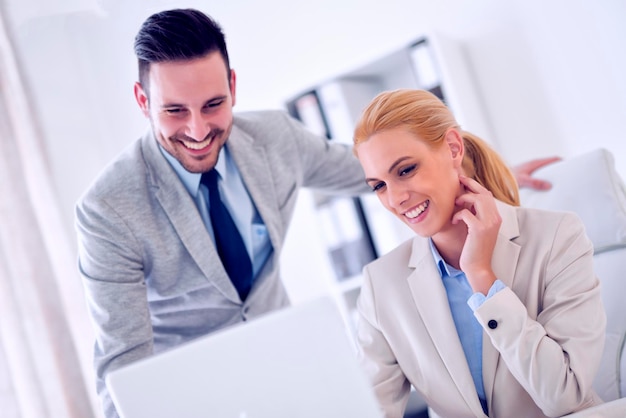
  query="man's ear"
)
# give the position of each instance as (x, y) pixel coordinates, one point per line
(454, 140)
(233, 86)
(142, 99)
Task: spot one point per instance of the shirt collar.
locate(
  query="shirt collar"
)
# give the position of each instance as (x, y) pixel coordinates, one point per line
(444, 268)
(191, 181)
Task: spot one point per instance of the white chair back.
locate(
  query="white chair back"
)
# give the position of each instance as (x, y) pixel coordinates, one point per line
(590, 186)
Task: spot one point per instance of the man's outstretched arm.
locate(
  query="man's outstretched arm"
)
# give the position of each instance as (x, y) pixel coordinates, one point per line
(523, 173)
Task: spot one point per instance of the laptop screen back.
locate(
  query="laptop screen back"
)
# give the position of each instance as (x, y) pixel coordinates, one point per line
(295, 363)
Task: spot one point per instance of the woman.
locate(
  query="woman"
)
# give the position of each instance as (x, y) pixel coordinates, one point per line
(493, 309)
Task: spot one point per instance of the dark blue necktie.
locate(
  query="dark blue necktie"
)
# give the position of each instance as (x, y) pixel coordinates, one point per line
(228, 241)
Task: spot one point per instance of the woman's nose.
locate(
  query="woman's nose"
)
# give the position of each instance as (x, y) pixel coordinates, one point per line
(396, 196)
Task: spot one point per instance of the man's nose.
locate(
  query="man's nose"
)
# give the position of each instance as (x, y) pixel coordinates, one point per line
(198, 126)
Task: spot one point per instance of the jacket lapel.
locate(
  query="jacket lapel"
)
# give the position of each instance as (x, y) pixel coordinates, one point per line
(504, 264)
(181, 211)
(432, 303)
(256, 174)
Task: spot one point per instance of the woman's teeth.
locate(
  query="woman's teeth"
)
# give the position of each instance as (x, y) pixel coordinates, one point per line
(417, 211)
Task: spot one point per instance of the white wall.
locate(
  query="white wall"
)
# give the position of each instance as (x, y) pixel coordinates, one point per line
(551, 73)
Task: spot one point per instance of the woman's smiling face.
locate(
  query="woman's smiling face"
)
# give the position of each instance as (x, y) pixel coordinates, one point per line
(415, 182)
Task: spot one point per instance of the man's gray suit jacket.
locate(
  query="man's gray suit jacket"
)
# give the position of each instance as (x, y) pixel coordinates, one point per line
(152, 276)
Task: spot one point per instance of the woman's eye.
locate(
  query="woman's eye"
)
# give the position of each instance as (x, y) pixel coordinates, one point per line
(407, 170)
(377, 186)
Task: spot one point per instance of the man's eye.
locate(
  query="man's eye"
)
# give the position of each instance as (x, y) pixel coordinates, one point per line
(174, 111)
(214, 104)
(407, 170)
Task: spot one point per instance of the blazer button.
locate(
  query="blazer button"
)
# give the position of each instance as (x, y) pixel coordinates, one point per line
(493, 324)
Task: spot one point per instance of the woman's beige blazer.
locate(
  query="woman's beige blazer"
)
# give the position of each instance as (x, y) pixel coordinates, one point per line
(543, 335)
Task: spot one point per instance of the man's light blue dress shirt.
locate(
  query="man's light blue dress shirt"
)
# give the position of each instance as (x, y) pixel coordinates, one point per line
(236, 198)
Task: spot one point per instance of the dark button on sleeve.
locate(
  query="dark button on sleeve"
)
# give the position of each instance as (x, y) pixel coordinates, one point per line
(493, 324)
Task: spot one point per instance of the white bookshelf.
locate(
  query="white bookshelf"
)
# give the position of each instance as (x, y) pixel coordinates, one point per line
(432, 62)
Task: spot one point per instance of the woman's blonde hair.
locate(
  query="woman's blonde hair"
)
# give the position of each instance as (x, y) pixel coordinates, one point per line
(424, 115)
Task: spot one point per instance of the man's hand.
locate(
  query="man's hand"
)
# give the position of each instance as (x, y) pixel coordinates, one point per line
(523, 173)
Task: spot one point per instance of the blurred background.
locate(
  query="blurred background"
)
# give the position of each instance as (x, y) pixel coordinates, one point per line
(547, 78)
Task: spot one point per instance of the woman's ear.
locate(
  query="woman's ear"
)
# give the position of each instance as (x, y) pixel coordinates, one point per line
(454, 140)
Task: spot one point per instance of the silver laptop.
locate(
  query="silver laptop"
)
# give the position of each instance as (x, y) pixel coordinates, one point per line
(295, 363)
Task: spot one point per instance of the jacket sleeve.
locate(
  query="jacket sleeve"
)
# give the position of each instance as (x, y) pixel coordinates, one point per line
(554, 357)
(108, 255)
(328, 165)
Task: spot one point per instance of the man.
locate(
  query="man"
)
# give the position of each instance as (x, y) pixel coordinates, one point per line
(155, 268)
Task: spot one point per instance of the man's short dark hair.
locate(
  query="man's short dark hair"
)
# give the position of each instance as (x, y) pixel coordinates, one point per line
(177, 35)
